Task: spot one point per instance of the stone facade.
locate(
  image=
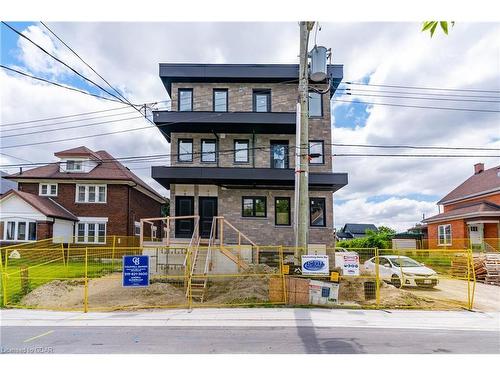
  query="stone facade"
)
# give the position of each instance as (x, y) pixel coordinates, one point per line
(262, 231)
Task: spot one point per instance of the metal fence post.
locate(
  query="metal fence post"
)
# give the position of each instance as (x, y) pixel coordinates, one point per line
(113, 254)
(62, 253)
(282, 266)
(86, 289)
(377, 277)
(190, 295)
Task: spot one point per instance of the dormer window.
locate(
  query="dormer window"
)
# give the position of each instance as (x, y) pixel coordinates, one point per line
(74, 165)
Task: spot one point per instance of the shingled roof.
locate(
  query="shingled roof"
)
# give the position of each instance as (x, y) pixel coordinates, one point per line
(470, 210)
(45, 205)
(108, 169)
(486, 181)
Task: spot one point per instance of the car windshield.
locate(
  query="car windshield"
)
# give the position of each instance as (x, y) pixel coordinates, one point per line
(405, 262)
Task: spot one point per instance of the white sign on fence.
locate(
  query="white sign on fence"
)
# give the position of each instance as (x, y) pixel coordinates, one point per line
(348, 262)
(315, 265)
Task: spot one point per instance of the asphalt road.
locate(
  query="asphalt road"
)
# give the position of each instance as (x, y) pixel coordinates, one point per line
(181, 339)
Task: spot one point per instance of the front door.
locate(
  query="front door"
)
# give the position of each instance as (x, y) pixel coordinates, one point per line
(207, 209)
(476, 235)
(184, 206)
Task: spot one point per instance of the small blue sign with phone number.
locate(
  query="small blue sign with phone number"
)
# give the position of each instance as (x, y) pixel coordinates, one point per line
(135, 271)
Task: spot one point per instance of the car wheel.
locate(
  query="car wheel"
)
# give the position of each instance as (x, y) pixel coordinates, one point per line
(396, 281)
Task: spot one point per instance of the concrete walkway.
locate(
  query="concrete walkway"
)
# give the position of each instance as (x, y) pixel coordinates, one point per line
(260, 317)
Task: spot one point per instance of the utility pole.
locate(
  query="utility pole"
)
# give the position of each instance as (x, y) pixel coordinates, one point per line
(303, 170)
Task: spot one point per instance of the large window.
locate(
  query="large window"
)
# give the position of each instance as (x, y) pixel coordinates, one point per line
(91, 193)
(254, 207)
(262, 100)
(316, 152)
(282, 211)
(185, 100)
(279, 154)
(444, 234)
(220, 100)
(49, 190)
(317, 212)
(315, 104)
(241, 148)
(19, 230)
(185, 150)
(91, 232)
(208, 150)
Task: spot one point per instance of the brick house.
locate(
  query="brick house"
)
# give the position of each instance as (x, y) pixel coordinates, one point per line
(84, 197)
(470, 214)
(232, 132)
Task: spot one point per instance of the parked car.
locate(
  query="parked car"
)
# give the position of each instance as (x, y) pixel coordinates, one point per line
(403, 271)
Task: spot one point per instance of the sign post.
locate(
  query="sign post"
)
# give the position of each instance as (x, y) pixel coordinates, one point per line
(135, 271)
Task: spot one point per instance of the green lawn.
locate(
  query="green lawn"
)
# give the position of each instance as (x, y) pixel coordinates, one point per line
(41, 274)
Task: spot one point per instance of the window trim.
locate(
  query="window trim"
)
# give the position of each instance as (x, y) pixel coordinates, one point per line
(247, 141)
(216, 152)
(86, 201)
(49, 185)
(322, 150)
(15, 233)
(227, 99)
(324, 212)
(321, 101)
(179, 150)
(79, 162)
(253, 198)
(86, 232)
(279, 141)
(137, 225)
(255, 92)
(289, 211)
(444, 233)
(179, 90)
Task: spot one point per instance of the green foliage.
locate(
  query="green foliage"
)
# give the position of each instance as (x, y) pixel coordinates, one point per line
(381, 239)
(432, 25)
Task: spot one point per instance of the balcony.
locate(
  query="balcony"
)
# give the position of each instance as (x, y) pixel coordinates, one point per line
(245, 178)
(225, 122)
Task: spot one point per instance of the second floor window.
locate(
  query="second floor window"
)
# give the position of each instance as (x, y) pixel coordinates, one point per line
(282, 211)
(315, 104)
(279, 154)
(220, 100)
(49, 190)
(208, 150)
(74, 165)
(317, 212)
(262, 100)
(185, 150)
(241, 151)
(185, 100)
(91, 193)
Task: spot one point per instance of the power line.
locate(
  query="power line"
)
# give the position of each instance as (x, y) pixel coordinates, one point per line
(414, 147)
(417, 93)
(419, 106)
(59, 85)
(419, 87)
(61, 62)
(419, 155)
(422, 98)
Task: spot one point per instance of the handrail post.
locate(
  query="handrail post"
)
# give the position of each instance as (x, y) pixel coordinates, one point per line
(86, 290)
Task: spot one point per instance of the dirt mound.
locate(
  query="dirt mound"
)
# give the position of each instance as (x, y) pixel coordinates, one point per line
(105, 292)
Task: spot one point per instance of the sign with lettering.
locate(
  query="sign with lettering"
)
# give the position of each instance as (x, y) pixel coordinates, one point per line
(315, 265)
(135, 271)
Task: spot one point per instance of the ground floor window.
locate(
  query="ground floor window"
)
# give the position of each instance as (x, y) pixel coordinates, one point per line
(317, 212)
(18, 230)
(282, 211)
(444, 234)
(254, 207)
(91, 232)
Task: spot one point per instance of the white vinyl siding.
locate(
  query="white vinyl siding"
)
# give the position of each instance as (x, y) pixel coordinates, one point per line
(91, 194)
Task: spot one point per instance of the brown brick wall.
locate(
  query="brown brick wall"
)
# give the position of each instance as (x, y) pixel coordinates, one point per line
(43, 230)
(459, 234)
(120, 223)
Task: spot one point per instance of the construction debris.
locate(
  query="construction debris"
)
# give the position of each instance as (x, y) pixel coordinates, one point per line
(486, 267)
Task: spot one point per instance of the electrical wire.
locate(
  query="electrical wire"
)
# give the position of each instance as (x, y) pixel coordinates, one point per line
(419, 87)
(418, 98)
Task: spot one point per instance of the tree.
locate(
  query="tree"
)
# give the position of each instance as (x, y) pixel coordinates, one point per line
(432, 25)
(382, 239)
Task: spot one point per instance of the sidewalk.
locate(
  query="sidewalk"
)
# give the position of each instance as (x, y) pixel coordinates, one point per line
(260, 317)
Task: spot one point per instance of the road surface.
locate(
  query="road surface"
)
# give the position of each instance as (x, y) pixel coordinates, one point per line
(251, 331)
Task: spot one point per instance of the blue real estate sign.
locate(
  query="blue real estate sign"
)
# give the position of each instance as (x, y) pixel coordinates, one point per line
(135, 270)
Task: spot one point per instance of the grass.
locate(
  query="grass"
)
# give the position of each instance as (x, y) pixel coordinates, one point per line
(18, 285)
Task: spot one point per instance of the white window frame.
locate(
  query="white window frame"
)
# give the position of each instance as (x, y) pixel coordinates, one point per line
(446, 242)
(49, 188)
(86, 186)
(75, 162)
(137, 225)
(86, 232)
(16, 230)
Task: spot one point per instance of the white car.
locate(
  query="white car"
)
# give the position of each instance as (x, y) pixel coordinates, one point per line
(403, 271)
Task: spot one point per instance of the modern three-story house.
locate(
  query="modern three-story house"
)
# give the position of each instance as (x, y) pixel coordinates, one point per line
(232, 134)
